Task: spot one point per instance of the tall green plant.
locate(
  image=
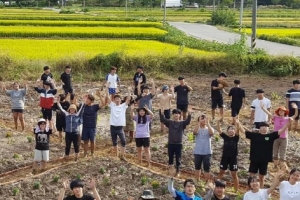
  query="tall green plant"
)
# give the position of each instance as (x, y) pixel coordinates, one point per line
(223, 17)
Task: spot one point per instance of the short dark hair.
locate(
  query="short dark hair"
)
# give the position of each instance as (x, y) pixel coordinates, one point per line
(252, 179)
(62, 97)
(202, 117)
(91, 97)
(176, 111)
(113, 68)
(191, 181)
(296, 81)
(117, 96)
(46, 68)
(220, 183)
(237, 82)
(76, 183)
(230, 126)
(68, 67)
(140, 67)
(223, 74)
(293, 171)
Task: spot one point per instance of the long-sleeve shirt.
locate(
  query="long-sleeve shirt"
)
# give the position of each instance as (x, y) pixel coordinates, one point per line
(179, 195)
(72, 120)
(17, 98)
(176, 128)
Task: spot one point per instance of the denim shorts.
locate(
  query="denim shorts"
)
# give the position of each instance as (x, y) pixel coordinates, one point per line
(88, 134)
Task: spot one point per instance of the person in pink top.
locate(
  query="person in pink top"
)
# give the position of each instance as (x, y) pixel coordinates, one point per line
(142, 133)
(280, 118)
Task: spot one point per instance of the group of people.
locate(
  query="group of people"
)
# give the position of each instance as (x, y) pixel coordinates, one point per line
(79, 119)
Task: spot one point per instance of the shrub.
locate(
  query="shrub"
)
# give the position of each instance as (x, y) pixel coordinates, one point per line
(16, 191)
(67, 12)
(223, 17)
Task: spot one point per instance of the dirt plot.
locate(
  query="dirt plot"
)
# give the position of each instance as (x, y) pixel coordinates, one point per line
(118, 179)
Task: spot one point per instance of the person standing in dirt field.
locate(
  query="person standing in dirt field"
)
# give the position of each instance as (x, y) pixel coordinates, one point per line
(47, 76)
(280, 118)
(46, 99)
(257, 114)
(77, 188)
(238, 100)
(230, 152)
(66, 80)
(216, 95)
(182, 100)
(60, 117)
(216, 191)
(130, 124)
(17, 97)
(89, 125)
(261, 148)
(176, 130)
(189, 190)
(42, 139)
(117, 120)
(139, 77)
(293, 96)
(113, 79)
(202, 150)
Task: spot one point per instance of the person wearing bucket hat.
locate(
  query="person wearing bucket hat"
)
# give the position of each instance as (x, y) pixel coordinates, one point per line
(165, 102)
(293, 96)
(257, 114)
(182, 101)
(176, 130)
(77, 189)
(261, 148)
(147, 194)
(42, 138)
(188, 193)
(280, 118)
(142, 132)
(72, 121)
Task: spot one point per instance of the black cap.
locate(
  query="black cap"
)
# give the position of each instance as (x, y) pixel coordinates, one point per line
(296, 82)
(180, 78)
(237, 82)
(264, 124)
(176, 111)
(47, 83)
(219, 183)
(259, 91)
(223, 74)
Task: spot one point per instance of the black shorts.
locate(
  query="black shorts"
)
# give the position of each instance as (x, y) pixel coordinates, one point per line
(231, 161)
(199, 159)
(47, 114)
(292, 112)
(183, 108)
(256, 125)
(68, 90)
(235, 112)
(261, 167)
(115, 132)
(60, 127)
(17, 110)
(142, 142)
(216, 103)
(167, 114)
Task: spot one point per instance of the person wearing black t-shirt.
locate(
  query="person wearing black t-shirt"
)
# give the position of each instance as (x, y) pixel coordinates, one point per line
(238, 99)
(261, 148)
(182, 100)
(230, 152)
(216, 95)
(66, 79)
(216, 191)
(60, 117)
(47, 77)
(77, 189)
(139, 77)
(293, 96)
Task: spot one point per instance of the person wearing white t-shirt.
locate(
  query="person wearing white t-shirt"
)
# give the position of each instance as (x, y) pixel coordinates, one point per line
(113, 79)
(290, 190)
(257, 114)
(117, 120)
(256, 193)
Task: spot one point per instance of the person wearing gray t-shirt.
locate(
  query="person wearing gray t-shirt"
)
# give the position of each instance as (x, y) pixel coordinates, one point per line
(17, 97)
(203, 151)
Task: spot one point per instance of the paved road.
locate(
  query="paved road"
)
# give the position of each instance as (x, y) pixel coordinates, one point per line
(211, 33)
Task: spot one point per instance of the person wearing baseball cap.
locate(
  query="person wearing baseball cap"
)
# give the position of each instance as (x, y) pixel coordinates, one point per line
(257, 114)
(293, 96)
(182, 100)
(261, 148)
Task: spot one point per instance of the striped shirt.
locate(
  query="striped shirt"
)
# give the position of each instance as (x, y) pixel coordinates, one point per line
(293, 96)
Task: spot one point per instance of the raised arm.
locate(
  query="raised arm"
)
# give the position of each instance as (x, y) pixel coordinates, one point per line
(275, 182)
(149, 111)
(210, 129)
(252, 116)
(65, 185)
(187, 121)
(128, 98)
(241, 128)
(262, 106)
(189, 87)
(107, 93)
(296, 110)
(171, 187)
(219, 127)
(196, 129)
(163, 119)
(153, 90)
(172, 90)
(132, 111)
(102, 99)
(92, 185)
(139, 92)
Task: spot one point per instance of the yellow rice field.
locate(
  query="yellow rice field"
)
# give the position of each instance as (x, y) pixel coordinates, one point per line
(55, 49)
(286, 32)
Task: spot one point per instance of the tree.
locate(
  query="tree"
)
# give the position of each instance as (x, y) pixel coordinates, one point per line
(275, 2)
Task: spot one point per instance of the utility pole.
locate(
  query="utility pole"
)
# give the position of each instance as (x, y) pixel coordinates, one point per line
(254, 18)
(126, 8)
(165, 10)
(214, 5)
(241, 15)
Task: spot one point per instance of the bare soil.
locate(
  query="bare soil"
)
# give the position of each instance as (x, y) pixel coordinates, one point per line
(119, 179)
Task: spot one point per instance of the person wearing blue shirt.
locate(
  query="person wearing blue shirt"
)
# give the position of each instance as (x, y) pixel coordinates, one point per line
(189, 190)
